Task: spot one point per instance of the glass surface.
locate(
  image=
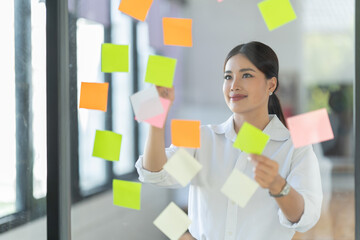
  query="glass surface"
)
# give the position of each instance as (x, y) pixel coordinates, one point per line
(90, 36)
(7, 126)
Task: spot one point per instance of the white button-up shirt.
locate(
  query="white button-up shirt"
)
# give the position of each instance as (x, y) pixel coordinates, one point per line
(214, 216)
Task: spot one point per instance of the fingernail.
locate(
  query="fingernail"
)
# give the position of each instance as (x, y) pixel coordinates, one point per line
(249, 158)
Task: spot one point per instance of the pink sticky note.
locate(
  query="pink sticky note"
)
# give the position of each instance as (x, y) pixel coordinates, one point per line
(159, 120)
(309, 128)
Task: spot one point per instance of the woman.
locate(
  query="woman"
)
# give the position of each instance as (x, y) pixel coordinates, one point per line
(290, 196)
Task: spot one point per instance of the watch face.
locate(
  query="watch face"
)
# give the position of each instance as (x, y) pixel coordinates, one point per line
(286, 190)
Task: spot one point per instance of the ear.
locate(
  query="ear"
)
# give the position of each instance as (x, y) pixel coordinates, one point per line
(272, 83)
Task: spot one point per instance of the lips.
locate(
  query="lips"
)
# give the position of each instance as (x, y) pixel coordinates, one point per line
(237, 97)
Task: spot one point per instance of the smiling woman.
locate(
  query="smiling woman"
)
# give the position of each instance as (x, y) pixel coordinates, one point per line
(289, 177)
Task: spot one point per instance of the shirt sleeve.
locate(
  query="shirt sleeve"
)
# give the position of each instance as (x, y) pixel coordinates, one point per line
(305, 178)
(161, 178)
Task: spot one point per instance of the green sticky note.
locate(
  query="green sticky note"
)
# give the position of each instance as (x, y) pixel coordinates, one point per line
(160, 71)
(127, 194)
(114, 58)
(276, 12)
(107, 145)
(251, 139)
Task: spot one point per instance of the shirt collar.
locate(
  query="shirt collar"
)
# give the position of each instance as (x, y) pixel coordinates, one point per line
(275, 129)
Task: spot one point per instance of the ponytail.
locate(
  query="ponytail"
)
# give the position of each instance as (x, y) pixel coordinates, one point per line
(274, 107)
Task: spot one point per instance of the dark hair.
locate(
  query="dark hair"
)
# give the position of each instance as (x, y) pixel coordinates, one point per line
(265, 59)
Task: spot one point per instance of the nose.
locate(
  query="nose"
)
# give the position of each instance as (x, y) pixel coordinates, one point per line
(236, 84)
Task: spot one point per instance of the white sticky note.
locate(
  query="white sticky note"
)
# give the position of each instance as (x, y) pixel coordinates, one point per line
(239, 188)
(182, 166)
(172, 221)
(146, 104)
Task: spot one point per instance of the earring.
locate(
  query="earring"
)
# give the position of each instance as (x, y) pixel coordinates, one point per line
(271, 93)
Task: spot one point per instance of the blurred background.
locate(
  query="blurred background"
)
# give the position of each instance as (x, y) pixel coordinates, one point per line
(317, 70)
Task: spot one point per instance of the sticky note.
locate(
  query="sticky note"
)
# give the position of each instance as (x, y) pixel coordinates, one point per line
(185, 133)
(127, 194)
(276, 13)
(182, 166)
(251, 139)
(239, 188)
(172, 221)
(160, 71)
(137, 9)
(94, 96)
(177, 31)
(309, 128)
(159, 120)
(146, 104)
(107, 145)
(114, 58)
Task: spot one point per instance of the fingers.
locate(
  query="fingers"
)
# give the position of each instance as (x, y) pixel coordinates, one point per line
(265, 170)
(164, 92)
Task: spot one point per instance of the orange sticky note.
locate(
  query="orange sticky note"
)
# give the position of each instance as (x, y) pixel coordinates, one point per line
(309, 128)
(177, 31)
(185, 133)
(94, 96)
(137, 9)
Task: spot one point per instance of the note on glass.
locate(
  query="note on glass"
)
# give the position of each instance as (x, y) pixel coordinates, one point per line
(94, 96)
(239, 188)
(185, 133)
(172, 221)
(276, 13)
(107, 145)
(159, 120)
(177, 31)
(146, 104)
(309, 128)
(182, 166)
(160, 71)
(114, 58)
(137, 9)
(251, 139)
(127, 194)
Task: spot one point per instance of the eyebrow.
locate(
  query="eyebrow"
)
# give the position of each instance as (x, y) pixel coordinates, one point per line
(242, 70)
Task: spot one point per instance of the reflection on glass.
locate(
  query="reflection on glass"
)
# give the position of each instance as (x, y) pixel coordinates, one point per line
(90, 36)
(38, 40)
(123, 121)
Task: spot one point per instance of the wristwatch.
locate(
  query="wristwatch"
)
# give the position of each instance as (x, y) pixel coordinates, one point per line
(285, 191)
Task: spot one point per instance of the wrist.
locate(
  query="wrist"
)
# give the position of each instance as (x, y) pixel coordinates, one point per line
(277, 186)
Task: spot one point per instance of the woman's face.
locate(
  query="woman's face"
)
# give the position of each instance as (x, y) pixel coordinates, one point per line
(245, 87)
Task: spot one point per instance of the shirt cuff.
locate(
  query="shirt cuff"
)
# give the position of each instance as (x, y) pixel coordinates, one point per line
(308, 219)
(161, 178)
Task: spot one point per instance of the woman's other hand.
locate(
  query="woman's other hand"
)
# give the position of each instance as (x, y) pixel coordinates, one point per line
(267, 173)
(167, 93)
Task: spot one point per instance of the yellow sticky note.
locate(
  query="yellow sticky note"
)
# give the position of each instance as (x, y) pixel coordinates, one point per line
(251, 139)
(239, 188)
(107, 145)
(182, 166)
(127, 194)
(172, 221)
(276, 13)
(114, 58)
(160, 71)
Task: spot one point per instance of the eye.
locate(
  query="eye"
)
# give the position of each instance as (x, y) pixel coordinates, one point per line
(227, 77)
(247, 75)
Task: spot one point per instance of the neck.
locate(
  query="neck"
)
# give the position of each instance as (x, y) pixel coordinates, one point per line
(258, 120)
